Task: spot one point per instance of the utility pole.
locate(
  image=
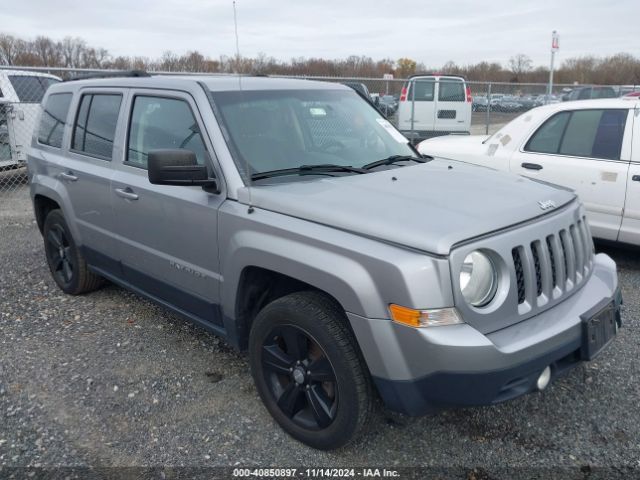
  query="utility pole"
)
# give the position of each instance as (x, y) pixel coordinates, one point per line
(554, 48)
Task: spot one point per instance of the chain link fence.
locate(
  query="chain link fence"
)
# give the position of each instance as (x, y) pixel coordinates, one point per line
(420, 107)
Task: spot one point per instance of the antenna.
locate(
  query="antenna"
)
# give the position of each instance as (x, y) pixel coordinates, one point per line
(235, 22)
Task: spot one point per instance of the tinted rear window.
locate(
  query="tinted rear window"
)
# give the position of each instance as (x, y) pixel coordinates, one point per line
(451, 91)
(424, 90)
(30, 89)
(95, 127)
(582, 133)
(54, 117)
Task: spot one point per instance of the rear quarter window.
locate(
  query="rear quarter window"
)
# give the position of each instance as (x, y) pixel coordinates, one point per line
(54, 119)
(548, 137)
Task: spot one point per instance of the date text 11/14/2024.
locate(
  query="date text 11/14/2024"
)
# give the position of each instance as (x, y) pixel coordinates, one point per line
(315, 473)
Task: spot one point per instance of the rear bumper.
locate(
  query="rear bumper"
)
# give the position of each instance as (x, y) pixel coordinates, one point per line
(418, 371)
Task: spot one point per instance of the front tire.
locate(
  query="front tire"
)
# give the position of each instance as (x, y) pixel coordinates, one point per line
(308, 370)
(66, 263)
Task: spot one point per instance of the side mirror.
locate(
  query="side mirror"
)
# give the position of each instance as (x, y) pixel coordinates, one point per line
(177, 167)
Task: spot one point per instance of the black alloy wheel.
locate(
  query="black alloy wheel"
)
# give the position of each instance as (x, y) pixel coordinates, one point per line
(66, 263)
(59, 255)
(300, 377)
(309, 371)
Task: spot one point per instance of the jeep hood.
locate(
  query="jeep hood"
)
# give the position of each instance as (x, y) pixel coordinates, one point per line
(430, 206)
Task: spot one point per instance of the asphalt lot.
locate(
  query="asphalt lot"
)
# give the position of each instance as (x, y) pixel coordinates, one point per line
(110, 379)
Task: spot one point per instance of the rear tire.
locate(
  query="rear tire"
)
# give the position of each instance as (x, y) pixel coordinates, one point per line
(309, 371)
(66, 263)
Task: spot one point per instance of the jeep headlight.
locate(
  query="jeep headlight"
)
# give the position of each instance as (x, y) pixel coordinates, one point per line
(478, 279)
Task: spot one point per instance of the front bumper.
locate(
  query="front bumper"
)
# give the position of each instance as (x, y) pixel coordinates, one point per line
(421, 370)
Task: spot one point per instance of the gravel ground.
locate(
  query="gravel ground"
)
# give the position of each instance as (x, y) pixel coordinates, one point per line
(109, 379)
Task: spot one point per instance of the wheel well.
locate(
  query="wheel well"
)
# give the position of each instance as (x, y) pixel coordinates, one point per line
(259, 287)
(42, 206)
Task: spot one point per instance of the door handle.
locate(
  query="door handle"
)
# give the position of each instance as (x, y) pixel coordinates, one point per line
(532, 166)
(126, 193)
(636, 178)
(68, 176)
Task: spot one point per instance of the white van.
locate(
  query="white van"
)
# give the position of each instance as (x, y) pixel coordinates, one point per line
(434, 105)
(20, 96)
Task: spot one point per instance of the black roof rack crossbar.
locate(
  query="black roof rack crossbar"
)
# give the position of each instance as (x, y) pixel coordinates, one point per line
(121, 73)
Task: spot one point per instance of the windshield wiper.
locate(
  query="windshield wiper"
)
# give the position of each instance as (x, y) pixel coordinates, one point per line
(397, 158)
(324, 169)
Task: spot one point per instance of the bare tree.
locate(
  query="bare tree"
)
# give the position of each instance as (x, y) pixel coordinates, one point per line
(520, 64)
(72, 51)
(451, 68)
(8, 49)
(47, 51)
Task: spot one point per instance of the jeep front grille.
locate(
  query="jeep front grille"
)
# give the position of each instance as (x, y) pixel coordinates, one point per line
(549, 268)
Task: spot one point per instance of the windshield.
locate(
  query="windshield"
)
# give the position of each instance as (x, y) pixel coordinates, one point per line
(30, 89)
(279, 129)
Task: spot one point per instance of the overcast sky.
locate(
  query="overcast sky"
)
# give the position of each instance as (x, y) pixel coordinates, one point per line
(432, 32)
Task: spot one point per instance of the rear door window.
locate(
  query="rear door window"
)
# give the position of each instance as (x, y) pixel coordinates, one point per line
(451, 91)
(30, 89)
(595, 133)
(54, 118)
(95, 127)
(424, 90)
(582, 133)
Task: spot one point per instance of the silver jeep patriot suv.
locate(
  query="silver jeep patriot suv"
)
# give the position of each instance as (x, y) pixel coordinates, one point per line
(289, 217)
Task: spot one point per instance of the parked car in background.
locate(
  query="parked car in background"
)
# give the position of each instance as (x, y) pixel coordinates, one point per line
(20, 96)
(527, 102)
(633, 94)
(432, 105)
(388, 105)
(292, 220)
(494, 99)
(586, 93)
(590, 146)
(507, 104)
(624, 90)
(479, 103)
(362, 89)
(358, 87)
(547, 99)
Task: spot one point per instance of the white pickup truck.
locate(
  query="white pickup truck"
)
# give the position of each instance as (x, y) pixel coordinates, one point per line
(591, 146)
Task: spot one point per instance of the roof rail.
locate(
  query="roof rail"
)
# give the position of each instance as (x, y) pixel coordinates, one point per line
(112, 74)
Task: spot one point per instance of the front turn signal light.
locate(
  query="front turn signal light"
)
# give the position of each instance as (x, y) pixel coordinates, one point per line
(424, 318)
